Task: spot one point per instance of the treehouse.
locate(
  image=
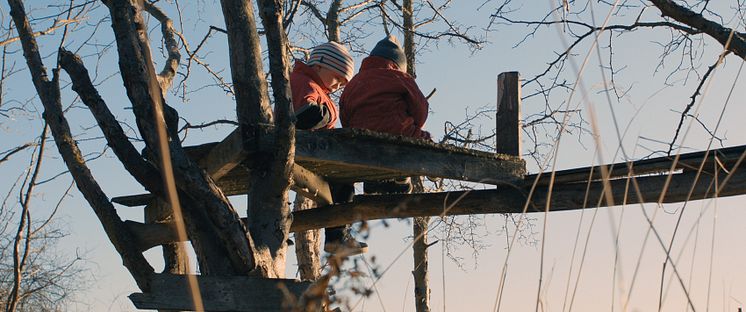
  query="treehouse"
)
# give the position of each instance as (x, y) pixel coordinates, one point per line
(348, 155)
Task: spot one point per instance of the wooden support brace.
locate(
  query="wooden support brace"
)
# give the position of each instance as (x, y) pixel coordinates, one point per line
(174, 255)
(220, 293)
(508, 121)
(225, 156)
(512, 200)
(309, 184)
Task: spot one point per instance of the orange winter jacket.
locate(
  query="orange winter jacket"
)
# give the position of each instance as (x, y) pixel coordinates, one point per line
(313, 107)
(383, 99)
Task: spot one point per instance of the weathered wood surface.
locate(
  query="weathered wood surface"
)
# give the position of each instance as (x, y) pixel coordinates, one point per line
(224, 157)
(727, 157)
(351, 155)
(236, 183)
(219, 293)
(512, 200)
(174, 254)
(508, 121)
(504, 199)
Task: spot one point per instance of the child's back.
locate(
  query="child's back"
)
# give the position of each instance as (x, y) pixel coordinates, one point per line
(382, 97)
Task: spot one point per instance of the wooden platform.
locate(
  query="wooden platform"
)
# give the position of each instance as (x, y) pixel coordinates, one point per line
(220, 293)
(351, 155)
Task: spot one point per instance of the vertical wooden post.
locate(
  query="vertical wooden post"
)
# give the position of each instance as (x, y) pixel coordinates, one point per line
(159, 211)
(508, 121)
(307, 244)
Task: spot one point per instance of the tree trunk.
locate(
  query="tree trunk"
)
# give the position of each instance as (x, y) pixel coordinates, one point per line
(49, 94)
(307, 245)
(420, 273)
(332, 21)
(419, 254)
(419, 224)
(209, 215)
(409, 49)
(268, 211)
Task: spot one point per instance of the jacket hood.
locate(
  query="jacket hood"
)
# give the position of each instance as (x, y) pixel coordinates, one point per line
(372, 62)
(308, 71)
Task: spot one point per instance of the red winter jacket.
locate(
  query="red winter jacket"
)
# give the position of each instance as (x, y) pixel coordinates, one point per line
(382, 98)
(309, 92)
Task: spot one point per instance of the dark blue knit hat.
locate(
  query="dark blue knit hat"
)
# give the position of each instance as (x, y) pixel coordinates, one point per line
(388, 48)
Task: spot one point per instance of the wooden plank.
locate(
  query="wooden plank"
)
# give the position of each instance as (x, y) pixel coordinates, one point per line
(501, 200)
(346, 155)
(225, 156)
(512, 200)
(134, 200)
(508, 121)
(365, 150)
(311, 185)
(660, 165)
(219, 293)
(174, 254)
(305, 182)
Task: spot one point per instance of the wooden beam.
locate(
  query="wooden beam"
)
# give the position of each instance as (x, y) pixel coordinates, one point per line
(219, 293)
(727, 157)
(511, 200)
(225, 156)
(305, 182)
(350, 155)
(504, 199)
(311, 185)
(508, 121)
(174, 254)
(134, 200)
(359, 151)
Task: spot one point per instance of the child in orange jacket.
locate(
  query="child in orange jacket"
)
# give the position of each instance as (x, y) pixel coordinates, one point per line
(329, 67)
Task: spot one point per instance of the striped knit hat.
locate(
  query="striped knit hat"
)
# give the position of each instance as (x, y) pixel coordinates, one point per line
(334, 57)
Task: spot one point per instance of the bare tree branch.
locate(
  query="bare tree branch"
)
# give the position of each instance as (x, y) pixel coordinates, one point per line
(57, 25)
(686, 16)
(19, 261)
(166, 76)
(689, 106)
(12, 151)
(49, 94)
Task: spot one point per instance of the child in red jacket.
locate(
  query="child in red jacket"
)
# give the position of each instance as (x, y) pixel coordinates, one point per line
(329, 67)
(383, 97)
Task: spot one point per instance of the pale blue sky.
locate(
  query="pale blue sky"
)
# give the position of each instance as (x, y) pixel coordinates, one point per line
(464, 81)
